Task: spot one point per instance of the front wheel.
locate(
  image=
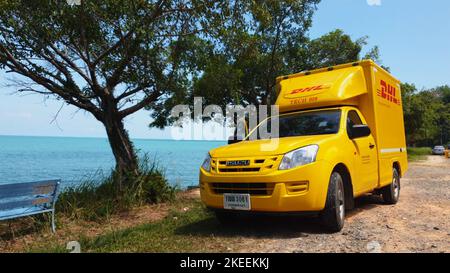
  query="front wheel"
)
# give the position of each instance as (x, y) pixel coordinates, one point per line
(334, 213)
(391, 192)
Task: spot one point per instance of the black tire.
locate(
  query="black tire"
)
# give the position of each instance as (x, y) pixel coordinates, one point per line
(225, 218)
(391, 192)
(333, 215)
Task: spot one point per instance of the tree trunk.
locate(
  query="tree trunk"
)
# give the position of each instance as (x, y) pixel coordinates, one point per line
(121, 146)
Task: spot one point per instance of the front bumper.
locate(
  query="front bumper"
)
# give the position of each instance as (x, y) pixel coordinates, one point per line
(315, 175)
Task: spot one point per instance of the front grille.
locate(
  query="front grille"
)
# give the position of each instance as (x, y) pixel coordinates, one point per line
(251, 188)
(235, 170)
(244, 165)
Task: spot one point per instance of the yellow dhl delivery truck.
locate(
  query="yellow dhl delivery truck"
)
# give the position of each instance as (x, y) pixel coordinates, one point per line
(341, 135)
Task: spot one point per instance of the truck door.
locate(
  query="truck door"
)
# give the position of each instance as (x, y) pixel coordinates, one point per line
(365, 157)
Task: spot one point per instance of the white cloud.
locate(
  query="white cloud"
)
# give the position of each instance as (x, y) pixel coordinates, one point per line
(374, 2)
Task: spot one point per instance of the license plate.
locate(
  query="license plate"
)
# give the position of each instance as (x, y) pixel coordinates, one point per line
(236, 201)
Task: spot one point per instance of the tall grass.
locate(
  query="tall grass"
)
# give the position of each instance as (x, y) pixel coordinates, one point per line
(98, 198)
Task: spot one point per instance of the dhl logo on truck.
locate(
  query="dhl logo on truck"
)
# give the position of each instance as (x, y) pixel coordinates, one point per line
(307, 91)
(388, 92)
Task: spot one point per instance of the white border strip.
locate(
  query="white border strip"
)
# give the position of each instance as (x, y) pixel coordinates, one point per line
(393, 150)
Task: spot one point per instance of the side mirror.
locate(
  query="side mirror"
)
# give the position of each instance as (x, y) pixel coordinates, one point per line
(233, 139)
(358, 131)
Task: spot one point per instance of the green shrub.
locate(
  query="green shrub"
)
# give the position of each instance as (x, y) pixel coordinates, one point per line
(419, 150)
(99, 197)
(417, 153)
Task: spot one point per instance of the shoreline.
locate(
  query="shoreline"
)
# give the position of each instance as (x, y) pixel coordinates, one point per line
(105, 138)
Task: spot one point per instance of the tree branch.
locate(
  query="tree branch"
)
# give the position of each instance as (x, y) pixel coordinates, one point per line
(71, 64)
(112, 81)
(130, 92)
(138, 106)
(129, 34)
(70, 97)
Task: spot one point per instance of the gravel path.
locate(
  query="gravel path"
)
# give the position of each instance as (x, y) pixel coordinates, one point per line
(419, 222)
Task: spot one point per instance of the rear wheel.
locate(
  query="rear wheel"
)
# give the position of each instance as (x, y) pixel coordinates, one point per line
(391, 192)
(334, 213)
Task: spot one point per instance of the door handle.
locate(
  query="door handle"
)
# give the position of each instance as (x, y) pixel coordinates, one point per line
(371, 146)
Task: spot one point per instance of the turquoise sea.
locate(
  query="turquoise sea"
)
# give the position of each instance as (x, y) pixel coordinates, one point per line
(73, 159)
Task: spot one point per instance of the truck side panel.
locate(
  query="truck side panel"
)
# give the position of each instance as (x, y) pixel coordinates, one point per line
(387, 121)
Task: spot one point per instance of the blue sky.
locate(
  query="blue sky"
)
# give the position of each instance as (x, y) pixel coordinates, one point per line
(413, 36)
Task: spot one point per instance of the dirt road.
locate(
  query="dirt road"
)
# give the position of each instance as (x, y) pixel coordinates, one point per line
(419, 222)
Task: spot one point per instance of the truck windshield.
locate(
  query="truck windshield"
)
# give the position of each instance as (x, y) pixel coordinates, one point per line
(303, 124)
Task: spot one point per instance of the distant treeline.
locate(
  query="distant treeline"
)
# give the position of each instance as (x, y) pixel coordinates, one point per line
(427, 115)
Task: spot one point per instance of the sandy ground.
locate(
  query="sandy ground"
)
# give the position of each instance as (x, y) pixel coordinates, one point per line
(419, 222)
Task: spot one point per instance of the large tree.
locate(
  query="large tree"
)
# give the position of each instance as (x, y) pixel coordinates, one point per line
(331, 49)
(239, 62)
(426, 115)
(110, 58)
(242, 69)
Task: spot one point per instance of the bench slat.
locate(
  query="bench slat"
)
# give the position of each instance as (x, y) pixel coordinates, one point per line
(35, 202)
(27, 189)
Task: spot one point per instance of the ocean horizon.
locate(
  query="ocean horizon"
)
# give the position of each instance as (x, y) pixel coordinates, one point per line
(78, 159)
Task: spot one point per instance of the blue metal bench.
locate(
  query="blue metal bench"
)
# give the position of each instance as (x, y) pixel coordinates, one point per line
(25, 199)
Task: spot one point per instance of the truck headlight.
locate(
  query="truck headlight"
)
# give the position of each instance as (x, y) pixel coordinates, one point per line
(207, 163)
(299, 157)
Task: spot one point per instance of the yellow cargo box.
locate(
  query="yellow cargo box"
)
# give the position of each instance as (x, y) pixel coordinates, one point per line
(365, 85)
